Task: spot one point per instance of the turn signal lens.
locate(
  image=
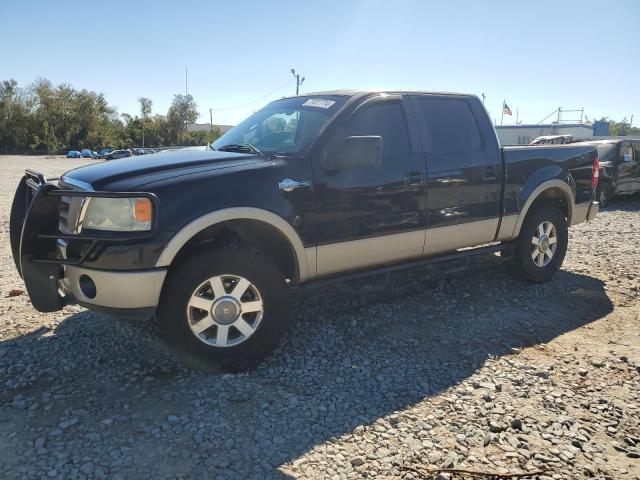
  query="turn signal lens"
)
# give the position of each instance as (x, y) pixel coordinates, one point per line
(595, 174)
(143, 210)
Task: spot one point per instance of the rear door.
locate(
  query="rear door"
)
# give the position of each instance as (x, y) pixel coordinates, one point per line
(464, 171)
(626, 169)
(635, 144)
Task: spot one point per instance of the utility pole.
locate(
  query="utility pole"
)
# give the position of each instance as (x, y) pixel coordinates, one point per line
(211, 118)
(298, 80)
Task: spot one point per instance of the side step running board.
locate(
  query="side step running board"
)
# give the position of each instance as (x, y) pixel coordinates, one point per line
(506, 248)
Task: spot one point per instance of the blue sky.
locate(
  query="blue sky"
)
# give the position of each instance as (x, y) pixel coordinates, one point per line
(538, 55)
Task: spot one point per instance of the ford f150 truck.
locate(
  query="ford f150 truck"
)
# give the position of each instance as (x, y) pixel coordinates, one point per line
(311, 189)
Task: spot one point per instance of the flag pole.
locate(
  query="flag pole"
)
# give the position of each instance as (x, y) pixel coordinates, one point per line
(517, 116)
(502, 116)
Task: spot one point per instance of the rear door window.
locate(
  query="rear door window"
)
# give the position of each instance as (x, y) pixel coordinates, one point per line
(450, 123)
(626, 149)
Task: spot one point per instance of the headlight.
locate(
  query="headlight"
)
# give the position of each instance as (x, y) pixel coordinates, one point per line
(118, 214)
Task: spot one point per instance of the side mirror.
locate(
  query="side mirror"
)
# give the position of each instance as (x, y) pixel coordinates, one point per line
(357, 151)
(626, 157)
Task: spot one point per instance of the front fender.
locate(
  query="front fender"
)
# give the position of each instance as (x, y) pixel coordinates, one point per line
(304, 258)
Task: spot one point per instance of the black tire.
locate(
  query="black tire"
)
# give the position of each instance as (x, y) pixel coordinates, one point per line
(523, 264)
(184, 279)
(603, 194)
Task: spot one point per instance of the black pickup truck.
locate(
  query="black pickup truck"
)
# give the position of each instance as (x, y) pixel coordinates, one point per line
(309, 190)
(619, 167)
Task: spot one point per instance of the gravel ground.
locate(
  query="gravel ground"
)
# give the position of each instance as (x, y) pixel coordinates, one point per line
(476, 371)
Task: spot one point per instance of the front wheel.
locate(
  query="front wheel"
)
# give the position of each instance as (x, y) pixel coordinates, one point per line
(542, 244)
(227, 305)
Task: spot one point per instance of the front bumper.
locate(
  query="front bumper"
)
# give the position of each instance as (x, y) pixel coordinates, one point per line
(113, 289)
(47, 272)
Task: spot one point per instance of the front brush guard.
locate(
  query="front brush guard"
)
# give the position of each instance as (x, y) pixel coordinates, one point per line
(34, 236)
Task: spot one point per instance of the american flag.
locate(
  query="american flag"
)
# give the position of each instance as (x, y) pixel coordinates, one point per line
(505, 109)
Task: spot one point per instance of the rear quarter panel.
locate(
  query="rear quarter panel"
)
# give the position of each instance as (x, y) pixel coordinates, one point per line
(528, 167)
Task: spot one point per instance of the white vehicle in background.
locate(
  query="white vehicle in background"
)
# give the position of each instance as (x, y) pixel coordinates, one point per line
(552, 140)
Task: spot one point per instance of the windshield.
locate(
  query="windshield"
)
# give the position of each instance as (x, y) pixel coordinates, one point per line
(284, 127)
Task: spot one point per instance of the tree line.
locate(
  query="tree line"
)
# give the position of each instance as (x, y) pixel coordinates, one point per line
(43, 118)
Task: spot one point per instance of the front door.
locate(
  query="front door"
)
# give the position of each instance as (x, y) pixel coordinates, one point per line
(375, 214)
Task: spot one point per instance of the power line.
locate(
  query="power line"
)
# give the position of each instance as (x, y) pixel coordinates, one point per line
(257, 99)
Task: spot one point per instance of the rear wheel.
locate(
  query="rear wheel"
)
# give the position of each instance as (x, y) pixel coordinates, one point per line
(229, 306)
(542, 244)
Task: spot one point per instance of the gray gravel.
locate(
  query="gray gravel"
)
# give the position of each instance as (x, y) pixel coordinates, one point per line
(476, 371)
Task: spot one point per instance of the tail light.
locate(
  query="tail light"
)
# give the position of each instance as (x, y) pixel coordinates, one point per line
(595, 174)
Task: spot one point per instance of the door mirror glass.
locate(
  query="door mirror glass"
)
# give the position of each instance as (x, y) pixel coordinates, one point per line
(355, 152)
(626, 157)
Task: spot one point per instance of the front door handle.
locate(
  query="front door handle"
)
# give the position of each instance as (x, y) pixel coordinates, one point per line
(288, 184)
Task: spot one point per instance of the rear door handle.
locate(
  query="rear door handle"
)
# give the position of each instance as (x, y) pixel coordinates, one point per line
(490, 172)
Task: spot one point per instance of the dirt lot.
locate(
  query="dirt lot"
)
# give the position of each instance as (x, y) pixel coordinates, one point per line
(477, 372)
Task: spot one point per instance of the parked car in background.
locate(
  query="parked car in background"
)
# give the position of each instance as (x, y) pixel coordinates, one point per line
(74, 154)
(311, 189)
(552, 140)
(118, 154)
(149, 151)
(619, 167)
(138, 151)
(86, 153)
(104, 152)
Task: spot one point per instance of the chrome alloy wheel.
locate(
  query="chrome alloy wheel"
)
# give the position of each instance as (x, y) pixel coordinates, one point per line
(544, 244)
(225, 310)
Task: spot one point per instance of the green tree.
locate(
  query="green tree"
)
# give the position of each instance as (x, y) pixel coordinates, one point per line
(43, 117)
(145, 111)
(183, 110)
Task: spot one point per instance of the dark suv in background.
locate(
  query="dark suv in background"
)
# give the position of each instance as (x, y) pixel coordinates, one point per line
(619, 167)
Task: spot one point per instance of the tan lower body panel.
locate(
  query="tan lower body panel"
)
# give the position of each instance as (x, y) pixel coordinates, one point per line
(445, 239)
(369, 252)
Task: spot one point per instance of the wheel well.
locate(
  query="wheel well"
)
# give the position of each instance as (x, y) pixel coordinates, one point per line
(556, 197)
(255, 233)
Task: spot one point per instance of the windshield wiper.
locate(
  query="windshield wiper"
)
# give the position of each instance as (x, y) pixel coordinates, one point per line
(236, 147)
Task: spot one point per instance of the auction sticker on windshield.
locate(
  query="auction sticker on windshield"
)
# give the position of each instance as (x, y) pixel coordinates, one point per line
(318, 102)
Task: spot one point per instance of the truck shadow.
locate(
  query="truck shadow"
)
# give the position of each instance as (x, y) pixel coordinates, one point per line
(356, 354)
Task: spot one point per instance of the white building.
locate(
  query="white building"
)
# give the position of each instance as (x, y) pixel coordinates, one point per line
(524, 134)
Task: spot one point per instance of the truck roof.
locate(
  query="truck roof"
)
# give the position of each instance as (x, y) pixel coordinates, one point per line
(354, 92)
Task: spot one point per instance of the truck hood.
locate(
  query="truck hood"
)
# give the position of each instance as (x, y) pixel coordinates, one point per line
(132, 172)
